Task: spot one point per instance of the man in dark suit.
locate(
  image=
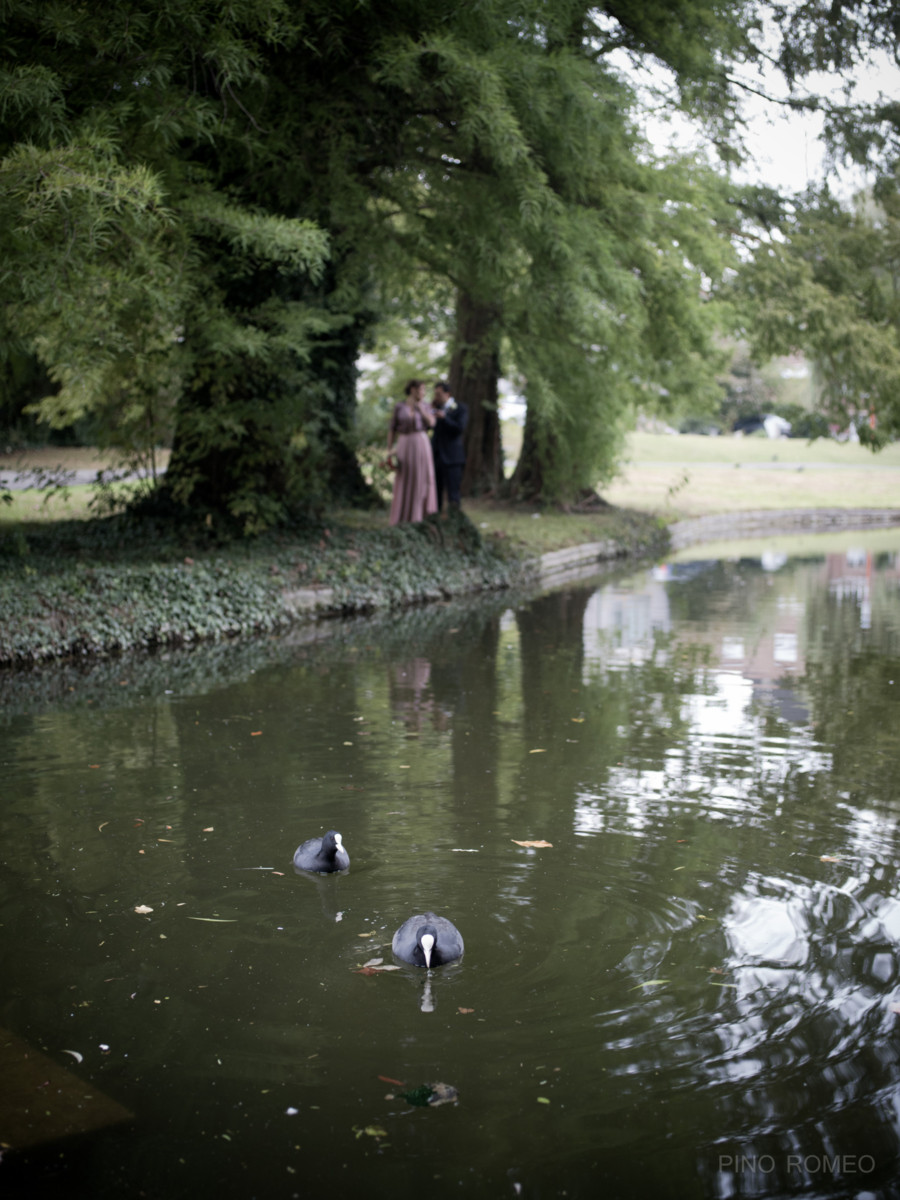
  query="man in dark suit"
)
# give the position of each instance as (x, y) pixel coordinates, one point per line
(447, 444)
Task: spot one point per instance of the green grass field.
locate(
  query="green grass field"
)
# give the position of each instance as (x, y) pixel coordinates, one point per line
(693, 476)
(673, 476)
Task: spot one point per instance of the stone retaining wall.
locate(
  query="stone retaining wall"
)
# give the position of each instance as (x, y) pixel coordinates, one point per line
(724, 526)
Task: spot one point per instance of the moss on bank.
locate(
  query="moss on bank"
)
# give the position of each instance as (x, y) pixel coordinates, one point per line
(113, 585)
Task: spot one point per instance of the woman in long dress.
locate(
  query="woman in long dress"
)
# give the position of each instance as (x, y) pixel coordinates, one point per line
(415, 492)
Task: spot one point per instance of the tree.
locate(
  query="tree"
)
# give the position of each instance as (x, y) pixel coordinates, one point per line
(207, 208)
(829, 285)
(115, 224)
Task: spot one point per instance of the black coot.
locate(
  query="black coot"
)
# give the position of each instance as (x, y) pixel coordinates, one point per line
(322, 854)
(427, 941)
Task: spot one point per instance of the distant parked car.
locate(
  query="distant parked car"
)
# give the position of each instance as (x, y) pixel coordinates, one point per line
(770, 424)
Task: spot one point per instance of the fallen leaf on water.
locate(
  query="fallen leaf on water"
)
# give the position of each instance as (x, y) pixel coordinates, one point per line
(278, 872)
(387, 1079)
(374, 1131)
(171, 841)
(143, 908)
(256, 733)
(100, 826)
(367, 971)
(78, 1057)
(93, 766)
(650, 983)
(539, 845)
(372, 934)
(537, 751)
(577, 720)
(542, 1100)
(465, 1010)
(209, 829)
(829, 858)
(373, 962)
(216, 920)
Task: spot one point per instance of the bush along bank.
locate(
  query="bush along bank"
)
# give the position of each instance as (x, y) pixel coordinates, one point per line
(119, 584)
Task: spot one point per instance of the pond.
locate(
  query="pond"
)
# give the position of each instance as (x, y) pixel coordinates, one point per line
(692, 991)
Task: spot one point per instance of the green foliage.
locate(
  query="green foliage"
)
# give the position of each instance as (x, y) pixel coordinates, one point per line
(121, 584)
(828, 285)
(205, 209)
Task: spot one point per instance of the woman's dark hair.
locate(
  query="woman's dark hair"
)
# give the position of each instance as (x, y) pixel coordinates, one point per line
(413, 383)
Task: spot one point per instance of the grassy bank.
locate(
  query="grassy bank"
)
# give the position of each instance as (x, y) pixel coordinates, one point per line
(72, 587)
(76, 588)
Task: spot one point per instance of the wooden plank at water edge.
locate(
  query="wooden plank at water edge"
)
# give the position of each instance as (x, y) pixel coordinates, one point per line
(43, 1102)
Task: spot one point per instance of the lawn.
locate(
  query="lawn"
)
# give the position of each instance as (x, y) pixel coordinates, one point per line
(692, 476)
(674, 476)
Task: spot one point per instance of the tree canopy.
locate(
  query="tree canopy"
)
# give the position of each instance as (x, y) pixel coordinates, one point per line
(206, 209)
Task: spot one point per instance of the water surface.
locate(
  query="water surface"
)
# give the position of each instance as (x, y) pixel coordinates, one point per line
(690, 993)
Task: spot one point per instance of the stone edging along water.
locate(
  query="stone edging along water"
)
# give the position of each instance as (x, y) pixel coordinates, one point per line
(561, 566)
(761, 522)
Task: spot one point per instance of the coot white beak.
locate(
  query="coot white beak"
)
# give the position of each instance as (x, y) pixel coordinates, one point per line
(427, 943)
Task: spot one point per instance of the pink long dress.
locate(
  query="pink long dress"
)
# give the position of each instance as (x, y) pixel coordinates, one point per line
(415, 492)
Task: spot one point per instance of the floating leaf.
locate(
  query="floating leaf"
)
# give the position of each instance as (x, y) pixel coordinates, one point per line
(256, 733)
(209, 829)
(829, 858)
(100, 826)
(78, 1057)
(577, 720)
(387, 1078)
(650, 983)
(537, 751)
(374, 1131)
(539, 845)
(215, 920)
(465, 1010)
(373, 962)
(372, 934)
(143, 908)
(542, 1100)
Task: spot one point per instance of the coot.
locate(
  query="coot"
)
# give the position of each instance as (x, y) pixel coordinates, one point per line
(322, 854)
(427, 941)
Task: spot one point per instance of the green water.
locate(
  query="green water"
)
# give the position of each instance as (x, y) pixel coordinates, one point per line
(688, 994)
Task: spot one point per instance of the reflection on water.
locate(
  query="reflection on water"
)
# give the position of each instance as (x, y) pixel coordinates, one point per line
(693, 991)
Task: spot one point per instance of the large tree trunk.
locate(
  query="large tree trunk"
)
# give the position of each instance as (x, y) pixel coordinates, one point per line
(474, 372)
(528, 479)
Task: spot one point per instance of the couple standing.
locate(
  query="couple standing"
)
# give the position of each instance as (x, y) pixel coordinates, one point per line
(425, 471)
